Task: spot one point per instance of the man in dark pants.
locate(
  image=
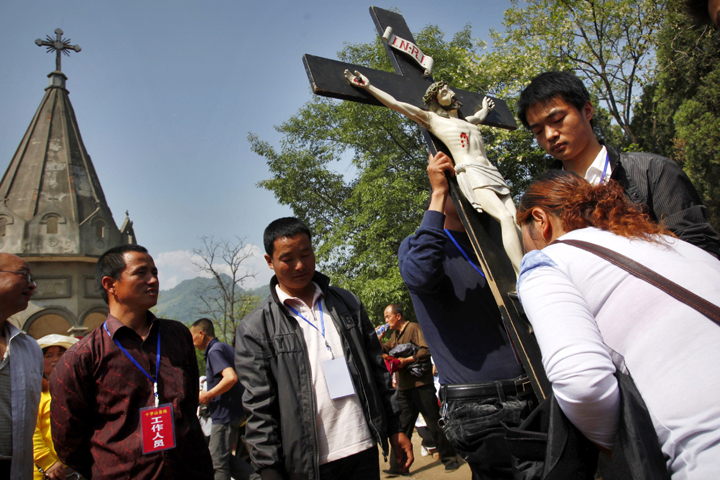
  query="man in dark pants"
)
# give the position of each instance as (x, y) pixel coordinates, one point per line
(556, 107)
(416, 394)
(481, 380)
(224, 400)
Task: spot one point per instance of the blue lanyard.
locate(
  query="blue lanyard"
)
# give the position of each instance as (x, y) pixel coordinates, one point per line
(607, 162)
(463, 252)
(322, 324)
(157, 363)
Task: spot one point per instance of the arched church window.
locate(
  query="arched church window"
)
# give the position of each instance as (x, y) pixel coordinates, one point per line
(52, 225)
(100, 229)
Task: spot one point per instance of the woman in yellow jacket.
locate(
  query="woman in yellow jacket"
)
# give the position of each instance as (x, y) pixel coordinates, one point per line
(47, 464)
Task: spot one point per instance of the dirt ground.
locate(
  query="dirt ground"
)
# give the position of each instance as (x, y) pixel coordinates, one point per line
(427, 468)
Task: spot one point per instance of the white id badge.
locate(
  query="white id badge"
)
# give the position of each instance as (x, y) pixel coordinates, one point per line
(337, 377)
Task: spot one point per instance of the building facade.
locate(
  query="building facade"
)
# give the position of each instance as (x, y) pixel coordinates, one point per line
(54, 215)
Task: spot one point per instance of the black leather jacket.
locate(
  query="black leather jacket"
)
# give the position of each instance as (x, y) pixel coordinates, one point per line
(670, 197)
(273, 365)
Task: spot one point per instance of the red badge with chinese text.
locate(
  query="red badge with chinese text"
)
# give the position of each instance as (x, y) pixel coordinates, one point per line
(157, 428)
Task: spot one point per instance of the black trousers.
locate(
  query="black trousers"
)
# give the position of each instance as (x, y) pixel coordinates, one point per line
(474, 427)
(361, 466)
(423, 400)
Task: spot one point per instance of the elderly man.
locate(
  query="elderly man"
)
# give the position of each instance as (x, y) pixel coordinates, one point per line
(556, 107)
(416, 391)
(125, 397)
(21, 369)
(317, 392)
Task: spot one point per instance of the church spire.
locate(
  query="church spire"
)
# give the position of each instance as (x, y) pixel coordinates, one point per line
(52, 201)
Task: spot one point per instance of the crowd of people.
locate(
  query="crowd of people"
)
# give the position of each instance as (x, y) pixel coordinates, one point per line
(306, 391)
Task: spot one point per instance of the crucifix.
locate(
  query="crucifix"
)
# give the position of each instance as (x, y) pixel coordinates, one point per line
(57, 45)
(407, 86)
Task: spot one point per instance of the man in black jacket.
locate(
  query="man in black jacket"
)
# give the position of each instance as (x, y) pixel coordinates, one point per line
(317, 392)
(556, 107)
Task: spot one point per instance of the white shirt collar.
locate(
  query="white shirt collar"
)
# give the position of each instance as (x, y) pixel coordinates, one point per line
(285, 297)
(595, 171)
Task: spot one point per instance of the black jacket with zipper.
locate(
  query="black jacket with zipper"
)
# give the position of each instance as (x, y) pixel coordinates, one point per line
(273, 366)
(667, 193)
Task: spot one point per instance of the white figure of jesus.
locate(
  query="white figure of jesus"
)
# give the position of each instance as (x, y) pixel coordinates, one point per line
(479, 180)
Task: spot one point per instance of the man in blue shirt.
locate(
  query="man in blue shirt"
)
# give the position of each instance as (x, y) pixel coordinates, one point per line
(481, 379)
(224, 400)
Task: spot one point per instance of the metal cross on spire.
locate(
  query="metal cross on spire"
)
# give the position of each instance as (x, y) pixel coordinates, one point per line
(57, 45)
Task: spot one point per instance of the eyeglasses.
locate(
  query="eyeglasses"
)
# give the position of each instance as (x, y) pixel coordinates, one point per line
(26, 275)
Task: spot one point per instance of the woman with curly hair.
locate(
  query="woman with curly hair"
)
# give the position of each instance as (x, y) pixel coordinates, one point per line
(591, 317)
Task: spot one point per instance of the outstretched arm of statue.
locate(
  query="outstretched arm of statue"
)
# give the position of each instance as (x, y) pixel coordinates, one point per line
(480, 115)
(416, 114)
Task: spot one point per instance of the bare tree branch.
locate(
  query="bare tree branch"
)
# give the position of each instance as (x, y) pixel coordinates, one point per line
(225, 300)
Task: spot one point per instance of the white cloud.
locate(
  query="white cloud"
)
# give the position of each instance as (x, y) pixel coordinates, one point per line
(176, 266)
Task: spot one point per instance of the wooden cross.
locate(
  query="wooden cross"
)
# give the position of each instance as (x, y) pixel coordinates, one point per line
(57, 45)
(408, 84)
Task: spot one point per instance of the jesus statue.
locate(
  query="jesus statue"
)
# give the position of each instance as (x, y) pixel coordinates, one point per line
(479, 180)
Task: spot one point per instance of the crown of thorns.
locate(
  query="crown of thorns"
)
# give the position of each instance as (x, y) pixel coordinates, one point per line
(432, 91)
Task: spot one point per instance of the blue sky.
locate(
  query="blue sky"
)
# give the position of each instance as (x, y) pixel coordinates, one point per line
(166, 92)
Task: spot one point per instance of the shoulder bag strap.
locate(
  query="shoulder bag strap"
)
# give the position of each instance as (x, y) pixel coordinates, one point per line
(708, 309)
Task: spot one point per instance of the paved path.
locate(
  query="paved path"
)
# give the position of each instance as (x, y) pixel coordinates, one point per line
(427, 468)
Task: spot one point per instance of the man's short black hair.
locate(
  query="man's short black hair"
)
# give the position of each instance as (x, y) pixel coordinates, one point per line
(281, 228)
(111, 264)
(396, 309)
(206, 325)
(698, 11)
(549, 85)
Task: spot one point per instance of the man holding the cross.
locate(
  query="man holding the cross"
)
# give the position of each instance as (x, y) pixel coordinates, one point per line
(125, 396)
(556, 107)
(481, 379)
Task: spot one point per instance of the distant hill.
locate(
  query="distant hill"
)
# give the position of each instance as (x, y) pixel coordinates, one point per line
(182, 302)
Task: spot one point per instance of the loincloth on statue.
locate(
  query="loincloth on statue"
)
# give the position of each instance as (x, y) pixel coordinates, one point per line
(471, 176)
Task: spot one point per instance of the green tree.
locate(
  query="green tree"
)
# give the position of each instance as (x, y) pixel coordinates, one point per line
(679, 113)
(608, 43)
(200, 357)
